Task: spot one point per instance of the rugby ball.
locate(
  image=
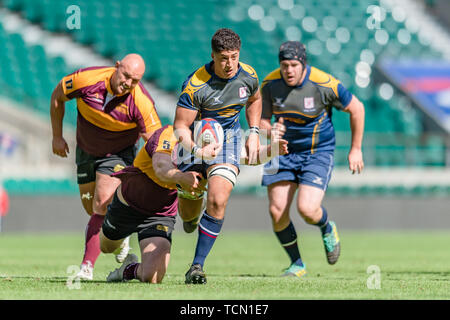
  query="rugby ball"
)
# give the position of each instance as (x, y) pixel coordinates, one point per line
(207, 131)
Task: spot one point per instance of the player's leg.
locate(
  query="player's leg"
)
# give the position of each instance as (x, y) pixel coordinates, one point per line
(155, 253)
(155, 242)
(190, 207)
(281, 195)
(87, 191)
(190, 211)
(221, 179)
(315, 178)
(104, 191)
(86, 185)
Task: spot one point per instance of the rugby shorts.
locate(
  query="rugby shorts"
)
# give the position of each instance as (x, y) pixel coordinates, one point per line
(122, 220)
(309, 169)
(88, 165)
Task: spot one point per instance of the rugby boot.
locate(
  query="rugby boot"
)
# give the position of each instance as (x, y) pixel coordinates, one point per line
(86, 272)
(295, 270)
(195, 275)
(117, 274)
(332, 244)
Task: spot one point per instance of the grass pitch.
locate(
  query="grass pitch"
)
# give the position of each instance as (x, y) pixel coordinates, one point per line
(244, 266)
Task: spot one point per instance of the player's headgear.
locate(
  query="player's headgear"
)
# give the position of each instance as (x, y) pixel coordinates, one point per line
(292, 50)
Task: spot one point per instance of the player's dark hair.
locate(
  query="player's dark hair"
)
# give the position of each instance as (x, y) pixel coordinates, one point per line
(225, 39)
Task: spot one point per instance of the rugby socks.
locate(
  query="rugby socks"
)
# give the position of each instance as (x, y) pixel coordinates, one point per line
(288, 240)
(130, 271)
(323, 224)
(208, 230)
(92, 244)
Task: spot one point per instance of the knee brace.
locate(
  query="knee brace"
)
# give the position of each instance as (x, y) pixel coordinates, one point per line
(225, 172)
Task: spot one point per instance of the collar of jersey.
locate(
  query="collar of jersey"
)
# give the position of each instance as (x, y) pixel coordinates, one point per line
(108, 86)
(308, 71)
(211, 72)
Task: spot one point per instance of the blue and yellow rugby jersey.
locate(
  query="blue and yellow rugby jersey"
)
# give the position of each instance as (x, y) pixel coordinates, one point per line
(306, 109)
(214, 97)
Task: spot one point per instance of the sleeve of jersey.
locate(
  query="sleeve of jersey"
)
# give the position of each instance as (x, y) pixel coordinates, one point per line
(187, 97)
(73, 83)
(147, 118)
(266, 103)
(162, 140)
(345, 96)
(339, 96)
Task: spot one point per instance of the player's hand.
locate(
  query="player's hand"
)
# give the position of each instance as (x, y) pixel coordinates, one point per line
(355, 160)
(192, 182)
(60, 147)
(278, 130)
(252, 148)
(281, 145)
(208, 152)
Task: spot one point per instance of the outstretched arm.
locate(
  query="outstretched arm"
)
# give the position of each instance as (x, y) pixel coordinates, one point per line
(168, 173)
(57, 109)
(355, 157)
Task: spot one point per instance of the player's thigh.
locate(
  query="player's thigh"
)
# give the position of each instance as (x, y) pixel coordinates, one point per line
(280, 196)
(220, 186)
(155, 256)
(189, 209)
(105, 187)
(87, 192)
(107, 245)
(309, 199)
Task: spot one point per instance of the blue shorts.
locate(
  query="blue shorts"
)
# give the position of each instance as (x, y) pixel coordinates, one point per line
(230, 153)
(310, 169)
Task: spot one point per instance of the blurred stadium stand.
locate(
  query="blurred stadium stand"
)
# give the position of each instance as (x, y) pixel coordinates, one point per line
(350, 39)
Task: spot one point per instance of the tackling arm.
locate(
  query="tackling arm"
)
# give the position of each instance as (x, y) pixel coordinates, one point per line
(168, 173)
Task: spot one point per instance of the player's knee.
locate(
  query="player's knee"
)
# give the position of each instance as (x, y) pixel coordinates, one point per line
(100, 206)
(308, 211)
(152, 276)
(216, 204)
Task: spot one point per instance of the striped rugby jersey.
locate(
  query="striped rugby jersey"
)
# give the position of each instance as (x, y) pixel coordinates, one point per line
(107, 124)
(306, 109)
(141, 188)
(217, 98)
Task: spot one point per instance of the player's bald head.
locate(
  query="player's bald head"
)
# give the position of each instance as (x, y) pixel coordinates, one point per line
(133, 63)
(129, 72)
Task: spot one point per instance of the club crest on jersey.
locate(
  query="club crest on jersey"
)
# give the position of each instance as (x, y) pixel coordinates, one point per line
(309, 103)
(242, 92)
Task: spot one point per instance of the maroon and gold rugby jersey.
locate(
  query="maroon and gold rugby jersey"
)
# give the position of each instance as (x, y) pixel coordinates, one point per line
(141, 188)
(107, 124)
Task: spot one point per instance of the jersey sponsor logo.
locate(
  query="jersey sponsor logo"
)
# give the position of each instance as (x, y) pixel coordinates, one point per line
(82, 175)
(242, 92)
(309, 103)
(69, 84)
